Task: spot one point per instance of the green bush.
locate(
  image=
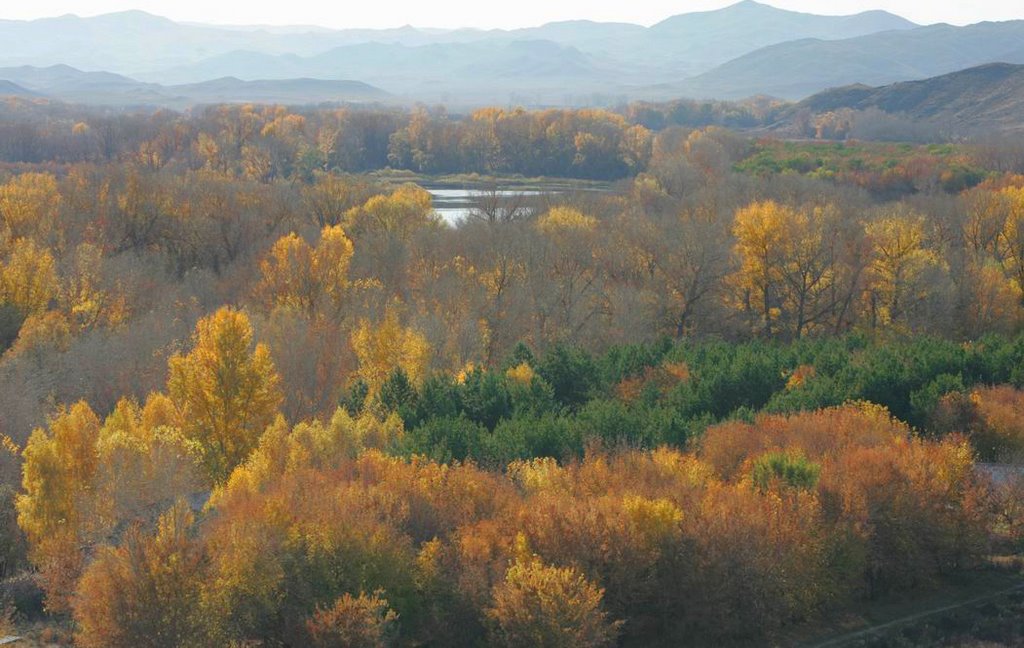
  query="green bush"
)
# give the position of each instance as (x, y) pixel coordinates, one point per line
(792, 470)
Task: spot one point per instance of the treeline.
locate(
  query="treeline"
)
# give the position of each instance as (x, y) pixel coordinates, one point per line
(591, 144)
(265, 143)
(273, 142)
(690, 113)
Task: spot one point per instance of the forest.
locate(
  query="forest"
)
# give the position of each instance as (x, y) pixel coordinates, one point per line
(254, 391)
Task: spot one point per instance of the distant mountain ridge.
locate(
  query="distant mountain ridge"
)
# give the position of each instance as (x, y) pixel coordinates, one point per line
(477, 72)
(796, 69)
(547, 64)
(715, 37)
(739, 51)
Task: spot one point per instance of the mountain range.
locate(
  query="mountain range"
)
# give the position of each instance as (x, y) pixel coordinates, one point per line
(742, 50)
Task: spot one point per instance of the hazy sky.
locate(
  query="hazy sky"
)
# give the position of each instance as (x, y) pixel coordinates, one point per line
(477, 13)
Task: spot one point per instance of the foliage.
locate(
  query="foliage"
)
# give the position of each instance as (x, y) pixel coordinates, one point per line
(297, 275)
(225, 393)
(791, 470)
(57, 509)
(539, 605)
(990, 416)
(353, 622)
(147, 592)
(28, 281)
(881, 167)
(740, 388)
(386, 346)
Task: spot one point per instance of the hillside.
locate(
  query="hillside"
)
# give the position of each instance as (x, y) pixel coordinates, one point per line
(988, 97)
(230, 89)
(800, 68)
(130, 42)
(614, 55)
(73, 85)
(9, 89)
(984, 98)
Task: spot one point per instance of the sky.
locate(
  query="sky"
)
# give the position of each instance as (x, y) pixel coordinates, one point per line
(474, 13)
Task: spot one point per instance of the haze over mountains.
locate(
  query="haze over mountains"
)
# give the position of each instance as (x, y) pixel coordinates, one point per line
(742, 50)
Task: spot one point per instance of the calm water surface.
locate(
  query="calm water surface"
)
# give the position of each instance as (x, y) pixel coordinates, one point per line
(457, 203)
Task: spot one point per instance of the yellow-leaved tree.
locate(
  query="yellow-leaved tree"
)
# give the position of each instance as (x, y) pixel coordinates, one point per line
(332, 258)
(900, 268)
(288, 278)
(548, 606)
(297, 275)
(386, 346)
(83, 297)
(406, 210)
(793, 275)
(145, 464)
(560, 219)
(759, 234)
(226, 391)
(28, 280)
(29, 205)
(56, 509)
(83, 482)
(1010, 246)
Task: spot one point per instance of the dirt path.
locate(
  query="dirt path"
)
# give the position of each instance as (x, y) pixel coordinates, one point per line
(844, 639)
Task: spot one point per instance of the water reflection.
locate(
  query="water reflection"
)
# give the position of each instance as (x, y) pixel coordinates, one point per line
(455, 205)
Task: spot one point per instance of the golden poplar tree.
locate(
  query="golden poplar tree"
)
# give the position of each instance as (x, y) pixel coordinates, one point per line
(1011, 237)
(226, 391)
(297, 275)
(792, 272)
(57, 506)
(29, 205)
(899, 264)
(406, 210)
(288, 275)
(28, 280)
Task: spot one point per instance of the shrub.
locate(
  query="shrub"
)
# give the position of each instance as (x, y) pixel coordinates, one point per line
(353, 622)
(549, 607)
(146, 593)
(788, 468)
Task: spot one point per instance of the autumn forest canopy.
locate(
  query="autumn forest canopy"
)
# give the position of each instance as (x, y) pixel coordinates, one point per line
(715, 388)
